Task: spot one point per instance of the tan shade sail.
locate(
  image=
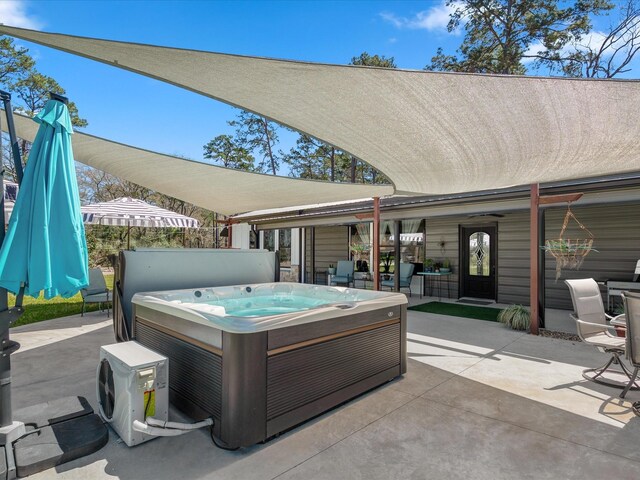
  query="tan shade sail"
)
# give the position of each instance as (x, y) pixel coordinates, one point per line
(219, 189)
(432, 133)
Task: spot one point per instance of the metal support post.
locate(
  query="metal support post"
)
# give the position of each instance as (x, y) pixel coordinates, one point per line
(534, 254)
(397, 230)
(376, 243)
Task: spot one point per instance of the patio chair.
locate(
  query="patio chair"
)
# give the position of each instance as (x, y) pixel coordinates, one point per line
(97, 291)
(344, 273)
(632, 348)
(593, 328)
(406, 274)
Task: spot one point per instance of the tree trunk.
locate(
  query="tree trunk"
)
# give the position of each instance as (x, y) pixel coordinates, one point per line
(333, 164)
(353, 170)
(265, 124)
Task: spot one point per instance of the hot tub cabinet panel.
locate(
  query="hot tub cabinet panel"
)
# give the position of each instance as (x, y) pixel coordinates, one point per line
(262, 383)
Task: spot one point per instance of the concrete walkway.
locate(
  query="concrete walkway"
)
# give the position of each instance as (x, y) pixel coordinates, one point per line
(478, 402)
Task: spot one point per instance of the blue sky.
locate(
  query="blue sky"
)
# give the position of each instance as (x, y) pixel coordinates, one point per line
(150, 114)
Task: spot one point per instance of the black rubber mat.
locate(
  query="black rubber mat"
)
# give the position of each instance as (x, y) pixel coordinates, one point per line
(55, 411)
(3, 463)
(59, 443)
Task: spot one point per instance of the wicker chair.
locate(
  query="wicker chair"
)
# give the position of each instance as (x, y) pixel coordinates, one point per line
(593, 328)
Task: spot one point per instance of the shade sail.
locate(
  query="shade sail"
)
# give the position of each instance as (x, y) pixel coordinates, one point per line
(222, 190)
(45, 247)
(132, 212)
(429, 132)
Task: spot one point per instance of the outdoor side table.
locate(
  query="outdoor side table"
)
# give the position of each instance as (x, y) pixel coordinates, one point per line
(322, 273)
(363, 277)
(620, 325)
(432, 277)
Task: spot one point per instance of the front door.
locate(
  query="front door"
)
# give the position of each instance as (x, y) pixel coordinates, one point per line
(478, 261)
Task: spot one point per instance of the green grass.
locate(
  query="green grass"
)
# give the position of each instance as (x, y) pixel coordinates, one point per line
(458, 310)
(39, 309)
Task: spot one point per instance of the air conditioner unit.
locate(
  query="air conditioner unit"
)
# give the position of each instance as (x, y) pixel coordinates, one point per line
(132, 384)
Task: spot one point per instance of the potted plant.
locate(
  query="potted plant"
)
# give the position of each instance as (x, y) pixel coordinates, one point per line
(446, 266)
(331, 270)
(386, 262)
(360, 250)
(437, 266)
(516, 317)
(428, 265)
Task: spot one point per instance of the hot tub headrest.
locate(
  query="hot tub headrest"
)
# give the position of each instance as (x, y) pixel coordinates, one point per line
(155, 269)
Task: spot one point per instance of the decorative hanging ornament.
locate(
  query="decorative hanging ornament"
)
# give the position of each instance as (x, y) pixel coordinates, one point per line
(570, 253)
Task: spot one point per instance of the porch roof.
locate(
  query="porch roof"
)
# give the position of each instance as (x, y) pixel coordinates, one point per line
(622, 188)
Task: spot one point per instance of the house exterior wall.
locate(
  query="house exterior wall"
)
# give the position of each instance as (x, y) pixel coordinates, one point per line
(441, 241)
(332, 244)
(617, 238)
(240, 236)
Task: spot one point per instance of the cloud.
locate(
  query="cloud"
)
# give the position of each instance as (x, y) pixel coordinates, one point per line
(435, 18)
(535, 48)
(14, 13)
(593, 40)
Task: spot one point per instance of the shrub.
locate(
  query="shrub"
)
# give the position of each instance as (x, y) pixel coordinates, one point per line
(516, 317)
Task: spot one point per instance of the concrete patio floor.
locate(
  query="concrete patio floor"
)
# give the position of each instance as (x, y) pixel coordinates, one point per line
(479, 401)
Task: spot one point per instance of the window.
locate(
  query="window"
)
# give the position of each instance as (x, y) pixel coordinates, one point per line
(269, 240)
(284, 247)
(412, 241)
(279, 240)
(479, 254)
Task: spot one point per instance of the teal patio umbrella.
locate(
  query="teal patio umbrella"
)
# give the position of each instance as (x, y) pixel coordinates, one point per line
(45, 247)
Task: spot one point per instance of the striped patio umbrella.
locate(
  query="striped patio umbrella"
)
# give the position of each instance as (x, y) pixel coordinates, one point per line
(130, 212)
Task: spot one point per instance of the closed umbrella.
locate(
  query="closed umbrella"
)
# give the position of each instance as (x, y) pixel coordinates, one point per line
(131, 212)
(45, 247)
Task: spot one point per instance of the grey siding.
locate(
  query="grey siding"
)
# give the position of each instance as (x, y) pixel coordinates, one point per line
(332, 244)
(617, 238)
(444, 230)
(513, 258)
(513, 244)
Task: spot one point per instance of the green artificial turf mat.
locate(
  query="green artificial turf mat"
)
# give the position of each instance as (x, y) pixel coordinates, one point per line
(457, 310)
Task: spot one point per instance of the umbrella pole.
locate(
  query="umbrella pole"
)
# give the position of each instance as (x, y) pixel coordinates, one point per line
(10, 431)
(15, 147)
(60, 445)
(128, 235)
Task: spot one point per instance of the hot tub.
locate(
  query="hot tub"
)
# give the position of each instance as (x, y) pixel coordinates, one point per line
(263, 358)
